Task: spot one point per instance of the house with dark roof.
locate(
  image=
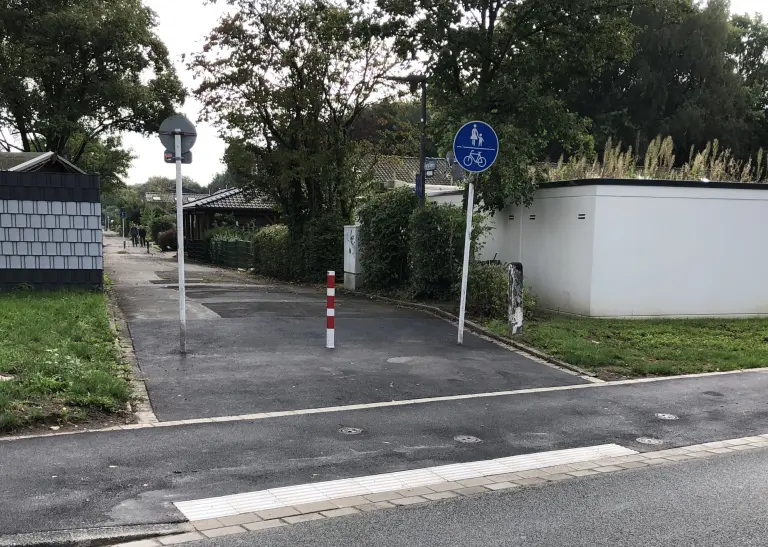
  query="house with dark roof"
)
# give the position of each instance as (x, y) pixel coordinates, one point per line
(392, 171)
(41, 162)
(246, 208)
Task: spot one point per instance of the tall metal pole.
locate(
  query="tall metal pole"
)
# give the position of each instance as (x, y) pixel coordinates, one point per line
(423, 143)
(465, 268)
(180, 239)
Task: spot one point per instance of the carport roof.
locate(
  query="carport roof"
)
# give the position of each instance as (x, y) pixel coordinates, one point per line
(233, 198)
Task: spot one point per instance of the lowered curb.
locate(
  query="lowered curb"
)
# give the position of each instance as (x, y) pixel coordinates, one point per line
(472, 326)
(92, 537)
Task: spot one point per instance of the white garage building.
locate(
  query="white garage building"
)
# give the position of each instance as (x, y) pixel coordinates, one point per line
(638, 248)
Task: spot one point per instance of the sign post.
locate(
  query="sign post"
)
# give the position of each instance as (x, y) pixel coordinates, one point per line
(122, 216)
(177, 133)
(475, 148)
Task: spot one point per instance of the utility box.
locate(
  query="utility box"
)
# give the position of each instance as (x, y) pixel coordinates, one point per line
(352, 270)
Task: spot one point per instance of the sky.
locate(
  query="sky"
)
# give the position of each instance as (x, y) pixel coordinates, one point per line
(183, 25)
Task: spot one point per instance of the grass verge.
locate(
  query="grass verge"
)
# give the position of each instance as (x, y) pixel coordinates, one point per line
(59, 352)
(656, 347)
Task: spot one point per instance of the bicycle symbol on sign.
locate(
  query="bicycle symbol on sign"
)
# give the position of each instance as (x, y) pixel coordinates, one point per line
(474, 157)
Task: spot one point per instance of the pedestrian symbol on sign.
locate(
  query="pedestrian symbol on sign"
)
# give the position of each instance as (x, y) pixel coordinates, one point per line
(476, 146)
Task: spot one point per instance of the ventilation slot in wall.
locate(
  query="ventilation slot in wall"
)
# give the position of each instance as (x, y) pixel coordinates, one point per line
(582, 216)
(511, 217)
(532, 217)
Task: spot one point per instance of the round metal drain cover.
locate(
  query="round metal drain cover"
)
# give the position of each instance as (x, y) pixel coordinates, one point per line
(466, 439)
(649, 440)
(667, 417)
(350, 430)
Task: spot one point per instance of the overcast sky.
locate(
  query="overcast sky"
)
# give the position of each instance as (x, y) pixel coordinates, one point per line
(183, 27)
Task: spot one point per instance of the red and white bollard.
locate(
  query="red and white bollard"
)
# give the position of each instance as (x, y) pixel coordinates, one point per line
(330, 311)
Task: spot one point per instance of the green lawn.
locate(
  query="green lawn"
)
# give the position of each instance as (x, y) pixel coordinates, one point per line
(58, 348)
(637, 347)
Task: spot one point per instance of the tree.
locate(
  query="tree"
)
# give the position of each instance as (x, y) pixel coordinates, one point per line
(693, 75)
(392, 127)
(168, 184)
(285, 81)
(221, 181)
(128, 198)
(749, 47)
(75, 71)
(509, 62)
(105, 156)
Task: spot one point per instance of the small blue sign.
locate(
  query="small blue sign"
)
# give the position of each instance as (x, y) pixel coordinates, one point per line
(122, 213)
(475, 146)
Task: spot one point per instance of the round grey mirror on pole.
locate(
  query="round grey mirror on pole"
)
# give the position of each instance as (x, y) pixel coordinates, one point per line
(181, 124)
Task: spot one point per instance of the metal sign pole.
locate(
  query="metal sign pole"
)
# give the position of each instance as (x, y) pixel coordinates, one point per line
(465, 267)
(180, 253)
(475, 148)
(178, 133)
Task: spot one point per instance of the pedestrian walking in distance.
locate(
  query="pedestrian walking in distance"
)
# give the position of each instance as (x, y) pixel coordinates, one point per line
(143, 236)
(134, 235)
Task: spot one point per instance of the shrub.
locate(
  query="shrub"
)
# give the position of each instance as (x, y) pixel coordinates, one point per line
(272, 252)
(436, 245)
(167, 240)
(159, 224)
(321, 248)
(530, 301)
(487, 290)
(384, 238)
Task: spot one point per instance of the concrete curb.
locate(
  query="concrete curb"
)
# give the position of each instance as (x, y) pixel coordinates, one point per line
(474, 327)
(93, 537)
(140, 406)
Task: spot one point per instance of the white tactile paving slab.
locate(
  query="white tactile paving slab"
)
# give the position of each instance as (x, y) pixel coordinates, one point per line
(226, 506)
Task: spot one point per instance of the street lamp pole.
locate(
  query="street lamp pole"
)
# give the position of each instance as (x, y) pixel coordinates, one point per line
(416, 81)
(423, 143)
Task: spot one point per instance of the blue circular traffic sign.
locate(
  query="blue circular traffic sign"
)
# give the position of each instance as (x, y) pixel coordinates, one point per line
(475, 146)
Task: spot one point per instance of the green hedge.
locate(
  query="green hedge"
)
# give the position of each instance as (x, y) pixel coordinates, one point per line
(272, 252)
(321, 249)
(158, 224)
(436, 248)
(305, 257)
(384, 239)
(487, 290)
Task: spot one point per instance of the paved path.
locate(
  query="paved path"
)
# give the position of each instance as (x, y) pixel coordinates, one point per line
(255, 347)
(714, 502)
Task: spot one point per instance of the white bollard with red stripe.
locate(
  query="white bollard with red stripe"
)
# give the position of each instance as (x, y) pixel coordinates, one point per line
(330, 312)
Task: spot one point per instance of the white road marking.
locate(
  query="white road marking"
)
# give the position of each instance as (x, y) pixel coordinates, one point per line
(225, 506)
(386, 404)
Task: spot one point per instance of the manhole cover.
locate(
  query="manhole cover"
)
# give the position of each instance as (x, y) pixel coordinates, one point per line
(350, 430)
(649, 440)
(466, 439)
(666, 417)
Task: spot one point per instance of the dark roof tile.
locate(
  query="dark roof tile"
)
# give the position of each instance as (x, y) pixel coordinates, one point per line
(233, 198)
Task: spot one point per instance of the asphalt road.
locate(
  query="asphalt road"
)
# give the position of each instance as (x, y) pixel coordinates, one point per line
(713, 502)
(132, 477)
(260, 347)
